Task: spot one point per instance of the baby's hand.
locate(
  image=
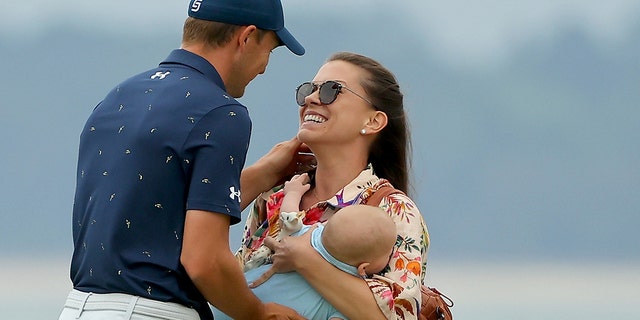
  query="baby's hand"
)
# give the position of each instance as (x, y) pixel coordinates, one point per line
(298, 183)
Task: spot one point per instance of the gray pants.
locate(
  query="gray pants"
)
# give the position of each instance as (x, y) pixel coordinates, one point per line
(118, 306)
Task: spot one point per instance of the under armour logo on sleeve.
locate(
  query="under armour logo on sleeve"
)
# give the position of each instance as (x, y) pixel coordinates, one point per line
(234, 193)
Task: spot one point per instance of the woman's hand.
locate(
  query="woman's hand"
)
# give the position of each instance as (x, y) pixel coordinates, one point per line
(288, 253)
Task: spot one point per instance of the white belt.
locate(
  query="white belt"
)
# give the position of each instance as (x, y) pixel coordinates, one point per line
(128, 303)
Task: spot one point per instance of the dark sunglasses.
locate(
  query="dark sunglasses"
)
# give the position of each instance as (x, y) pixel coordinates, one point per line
(328, 92)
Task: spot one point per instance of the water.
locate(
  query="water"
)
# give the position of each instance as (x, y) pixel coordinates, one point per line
(35, 289)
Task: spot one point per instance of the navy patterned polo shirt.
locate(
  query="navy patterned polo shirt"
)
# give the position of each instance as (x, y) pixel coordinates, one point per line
(160, 143)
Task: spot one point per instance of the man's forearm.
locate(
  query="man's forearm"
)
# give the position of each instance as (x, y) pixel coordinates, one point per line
(208, 261)
(253, 181)
(225, 287)
(281, 161)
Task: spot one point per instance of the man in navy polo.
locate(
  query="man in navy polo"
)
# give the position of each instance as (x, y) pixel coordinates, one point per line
(158, 177)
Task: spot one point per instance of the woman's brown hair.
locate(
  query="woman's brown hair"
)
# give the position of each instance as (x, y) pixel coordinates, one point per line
(390, 153)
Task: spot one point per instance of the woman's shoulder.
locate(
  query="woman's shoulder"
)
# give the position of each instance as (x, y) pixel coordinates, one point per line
(381, 190)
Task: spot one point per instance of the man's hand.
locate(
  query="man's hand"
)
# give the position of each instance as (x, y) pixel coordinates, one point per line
(274, 168)
(289, 158)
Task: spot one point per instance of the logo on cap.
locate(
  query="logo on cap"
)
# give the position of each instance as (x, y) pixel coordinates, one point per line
(196, 5)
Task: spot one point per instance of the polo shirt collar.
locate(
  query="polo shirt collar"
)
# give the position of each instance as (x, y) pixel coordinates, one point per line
(194, 61)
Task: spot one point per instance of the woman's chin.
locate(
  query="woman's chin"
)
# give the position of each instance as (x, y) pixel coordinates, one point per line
(302, 136)
(306, 131)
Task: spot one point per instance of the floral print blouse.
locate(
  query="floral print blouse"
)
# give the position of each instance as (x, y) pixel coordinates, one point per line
(397, 287)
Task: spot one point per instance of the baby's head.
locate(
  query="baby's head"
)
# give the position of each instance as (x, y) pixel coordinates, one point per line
(362, 236)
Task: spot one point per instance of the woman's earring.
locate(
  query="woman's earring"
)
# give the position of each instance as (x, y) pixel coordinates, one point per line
(363, 132)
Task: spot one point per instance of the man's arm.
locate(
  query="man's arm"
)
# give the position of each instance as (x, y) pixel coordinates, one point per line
(279, 164)
(208, 260)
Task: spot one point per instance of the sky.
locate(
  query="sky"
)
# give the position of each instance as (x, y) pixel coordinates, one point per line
(475, 31)
(468, 36)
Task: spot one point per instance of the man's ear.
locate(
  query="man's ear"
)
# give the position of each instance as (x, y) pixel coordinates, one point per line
(244, 34)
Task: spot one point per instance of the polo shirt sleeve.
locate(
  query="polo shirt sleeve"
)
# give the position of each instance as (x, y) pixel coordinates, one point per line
(216, 151)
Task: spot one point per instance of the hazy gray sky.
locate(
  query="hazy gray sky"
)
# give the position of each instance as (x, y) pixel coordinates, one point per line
(461, 29)
(518, 161)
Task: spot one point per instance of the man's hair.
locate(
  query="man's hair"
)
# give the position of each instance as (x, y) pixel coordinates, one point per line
(212, 33)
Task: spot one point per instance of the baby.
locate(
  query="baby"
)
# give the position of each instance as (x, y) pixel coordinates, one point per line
(358, 239)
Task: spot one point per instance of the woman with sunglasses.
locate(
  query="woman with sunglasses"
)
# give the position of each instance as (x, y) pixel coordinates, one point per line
(352, 119)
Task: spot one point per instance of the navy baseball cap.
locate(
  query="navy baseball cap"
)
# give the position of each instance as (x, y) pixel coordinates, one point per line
(264, 14)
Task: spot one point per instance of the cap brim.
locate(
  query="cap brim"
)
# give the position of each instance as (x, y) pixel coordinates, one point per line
(289, 41)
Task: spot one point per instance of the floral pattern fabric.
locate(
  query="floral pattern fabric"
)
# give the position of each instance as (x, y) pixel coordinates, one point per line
(397, 287)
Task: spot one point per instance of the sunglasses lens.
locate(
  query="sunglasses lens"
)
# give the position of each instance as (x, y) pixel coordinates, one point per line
(329, 91)
(303, 91)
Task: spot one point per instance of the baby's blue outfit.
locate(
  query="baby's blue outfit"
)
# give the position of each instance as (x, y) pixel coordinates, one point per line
(292, 290)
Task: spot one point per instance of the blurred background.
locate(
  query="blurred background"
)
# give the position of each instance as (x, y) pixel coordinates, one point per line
(525, 118)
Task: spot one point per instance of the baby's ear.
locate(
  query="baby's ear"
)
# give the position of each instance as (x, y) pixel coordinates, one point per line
(362, 269)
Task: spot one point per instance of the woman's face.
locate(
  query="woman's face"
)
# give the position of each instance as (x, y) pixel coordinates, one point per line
(339, 122)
